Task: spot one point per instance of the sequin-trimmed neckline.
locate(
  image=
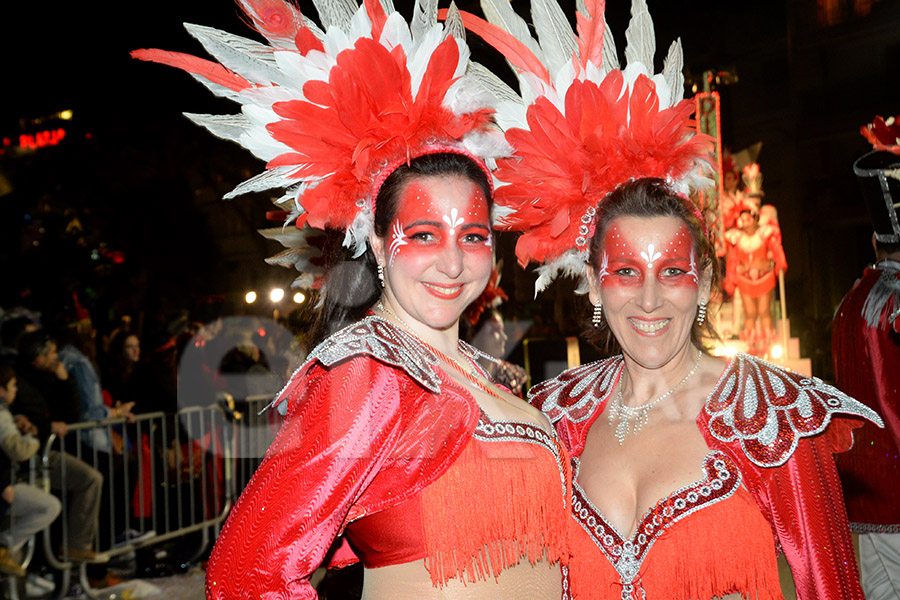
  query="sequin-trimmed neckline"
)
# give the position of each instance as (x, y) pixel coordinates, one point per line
(722, 478)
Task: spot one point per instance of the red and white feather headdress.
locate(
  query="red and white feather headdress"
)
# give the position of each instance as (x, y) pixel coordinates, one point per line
(331, 109)
(583, 125)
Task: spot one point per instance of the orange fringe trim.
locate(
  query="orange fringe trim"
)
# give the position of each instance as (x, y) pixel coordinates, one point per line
(499, 503)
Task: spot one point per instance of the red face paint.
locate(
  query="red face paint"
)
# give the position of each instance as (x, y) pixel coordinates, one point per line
(438, 251)
(648, 283)
(634, 252)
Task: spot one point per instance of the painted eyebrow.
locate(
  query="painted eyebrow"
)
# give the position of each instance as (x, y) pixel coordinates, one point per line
(420, 223)
(474, 225)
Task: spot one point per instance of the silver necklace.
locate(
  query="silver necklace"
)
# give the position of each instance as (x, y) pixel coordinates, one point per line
(632, 419)
(469, 368)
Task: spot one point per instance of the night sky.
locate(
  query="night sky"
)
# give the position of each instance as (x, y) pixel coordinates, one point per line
(145, 182)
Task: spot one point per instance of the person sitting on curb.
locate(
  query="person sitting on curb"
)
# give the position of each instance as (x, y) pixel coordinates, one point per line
(46, 402)
(31, 509)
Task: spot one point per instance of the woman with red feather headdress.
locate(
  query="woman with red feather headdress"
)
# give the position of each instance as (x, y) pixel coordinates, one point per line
(395, 442)
(604, 161)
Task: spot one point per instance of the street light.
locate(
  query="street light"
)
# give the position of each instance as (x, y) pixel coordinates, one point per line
(276, 295)
(250, 297)
(299, 298)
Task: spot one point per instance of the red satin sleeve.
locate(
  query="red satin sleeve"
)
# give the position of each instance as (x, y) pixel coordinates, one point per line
(338, 432)
(807, 511)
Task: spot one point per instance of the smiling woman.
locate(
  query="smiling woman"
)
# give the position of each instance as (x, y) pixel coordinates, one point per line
(392, 428)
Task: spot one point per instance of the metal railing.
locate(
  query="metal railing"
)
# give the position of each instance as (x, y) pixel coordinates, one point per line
(166, 476)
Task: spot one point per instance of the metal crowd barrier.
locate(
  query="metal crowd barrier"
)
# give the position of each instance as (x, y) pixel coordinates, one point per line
(175, 474)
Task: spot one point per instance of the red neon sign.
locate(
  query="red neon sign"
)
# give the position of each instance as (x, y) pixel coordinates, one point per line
(41, 139)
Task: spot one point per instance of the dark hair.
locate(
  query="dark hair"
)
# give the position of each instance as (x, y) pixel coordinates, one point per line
(352, 285)
(646, 198)
(34, 344)
(7, 374)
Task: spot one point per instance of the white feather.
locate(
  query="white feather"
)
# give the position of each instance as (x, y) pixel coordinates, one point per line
(227, 127)
(336, 41)
(388, 6)
(267, 180)
(251, 60)
(496, 86)
(489, 144)
(501, 14)
(554, 33)
(357, 236)
(219, 90)
(453, 25)
(672, 71)
(417, 63)
(335, 13)
(396, 33)
(424, 17)
(570, 264)
(610, 54)
(639, 37)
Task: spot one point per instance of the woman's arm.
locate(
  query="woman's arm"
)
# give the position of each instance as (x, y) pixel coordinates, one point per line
(338, 432)
(811, 521)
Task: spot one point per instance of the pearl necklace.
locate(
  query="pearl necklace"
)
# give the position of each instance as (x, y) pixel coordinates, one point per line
(639, 414)
(469, 373)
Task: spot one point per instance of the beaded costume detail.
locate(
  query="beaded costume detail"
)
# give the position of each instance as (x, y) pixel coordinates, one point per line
(721, 481)
(382, 340)
(768, 409)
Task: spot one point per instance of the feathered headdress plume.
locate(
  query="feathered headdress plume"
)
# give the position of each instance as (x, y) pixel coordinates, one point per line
(330, 108)
(588, 127)
(883, 134)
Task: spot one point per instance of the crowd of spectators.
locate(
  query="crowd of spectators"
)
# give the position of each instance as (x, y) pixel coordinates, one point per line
(57, 370)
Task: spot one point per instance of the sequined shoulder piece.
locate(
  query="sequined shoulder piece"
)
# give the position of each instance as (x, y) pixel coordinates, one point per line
(375, 337)
(383, 341)
(575, 393)
(769, 409)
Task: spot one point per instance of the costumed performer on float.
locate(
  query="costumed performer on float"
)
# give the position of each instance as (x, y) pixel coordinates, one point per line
(755, 258)
(866, 352)
(612, 152)
(444, 485)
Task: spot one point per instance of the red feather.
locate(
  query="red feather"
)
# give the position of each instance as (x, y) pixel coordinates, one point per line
(568, 163)
(207, 69)
(590, 32)
(508, 45)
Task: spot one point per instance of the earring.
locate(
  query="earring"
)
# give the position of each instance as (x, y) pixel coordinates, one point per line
(381, 274)
(597, 317)
(701, 313)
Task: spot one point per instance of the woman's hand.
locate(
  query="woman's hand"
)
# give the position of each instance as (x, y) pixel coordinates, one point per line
(8, 494)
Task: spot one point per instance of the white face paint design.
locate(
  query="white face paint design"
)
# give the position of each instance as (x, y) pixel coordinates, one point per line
(604, 268)
(650, 255)
(398, 239)
(453, 221)
(694, 272)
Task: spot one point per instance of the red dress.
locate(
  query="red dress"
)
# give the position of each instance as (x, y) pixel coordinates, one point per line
(866, 351)
(754, 260)
(770, 483)
(380, 442)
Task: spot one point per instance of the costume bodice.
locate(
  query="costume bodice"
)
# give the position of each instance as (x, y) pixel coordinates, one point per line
(778, 429)
(461, 523)
(683, 533)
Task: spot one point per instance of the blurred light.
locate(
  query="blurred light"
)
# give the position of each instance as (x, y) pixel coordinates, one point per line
(66, 115)
(276, 295)
(299, 298)
(261, 332)
(95, 255)
(777, 351)
(250, 298)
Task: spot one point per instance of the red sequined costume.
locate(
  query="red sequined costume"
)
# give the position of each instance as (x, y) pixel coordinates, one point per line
(754, 260)
(866, 351)
(381, 443)
(769, 482)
